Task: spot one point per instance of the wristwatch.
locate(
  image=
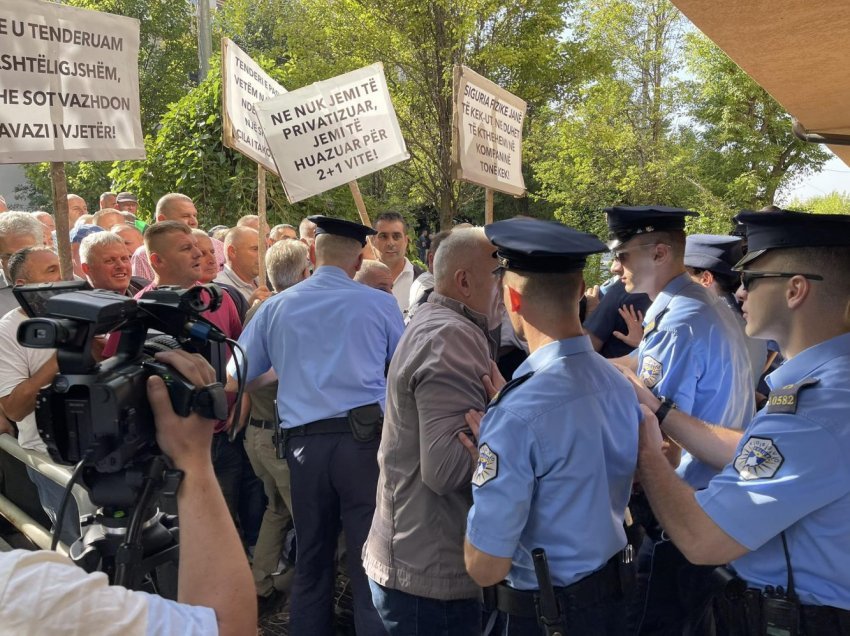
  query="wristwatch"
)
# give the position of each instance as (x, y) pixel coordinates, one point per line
(667, 405)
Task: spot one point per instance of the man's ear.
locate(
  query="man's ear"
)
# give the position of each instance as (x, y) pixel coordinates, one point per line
(515, 298)
(706, 279)
(85, 267)
(155, 259)
(359, 262)
(797, 290)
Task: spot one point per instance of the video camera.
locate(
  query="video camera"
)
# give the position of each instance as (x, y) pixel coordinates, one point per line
(97, 412)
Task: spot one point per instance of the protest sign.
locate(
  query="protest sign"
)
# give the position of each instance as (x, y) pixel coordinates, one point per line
(243, 83)
(487, 133)
(332, 132)
(69, 84)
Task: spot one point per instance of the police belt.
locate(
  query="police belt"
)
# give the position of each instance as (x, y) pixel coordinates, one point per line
(266, 425)
(320, 427)
(599, 586)
(747, 612)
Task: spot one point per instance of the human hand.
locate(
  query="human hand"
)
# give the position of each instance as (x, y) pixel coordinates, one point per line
(473, 420)
(634, 326)
(644, 395)
(591, 299)
(186, 440)
(6, 426)
(650, 438)
(261, 293)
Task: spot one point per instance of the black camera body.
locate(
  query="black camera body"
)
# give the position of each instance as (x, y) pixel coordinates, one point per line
(99, 412)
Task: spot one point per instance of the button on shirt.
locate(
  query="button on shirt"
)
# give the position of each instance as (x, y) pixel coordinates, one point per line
(557, 455)
(695, 354)
(401, 286)
(329, 340)
(791, 473)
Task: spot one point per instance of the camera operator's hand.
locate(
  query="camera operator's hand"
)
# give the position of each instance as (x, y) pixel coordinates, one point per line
(186, 440)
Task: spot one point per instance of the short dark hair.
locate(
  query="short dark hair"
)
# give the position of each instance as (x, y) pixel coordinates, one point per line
(436, 239)
(18, 261)
(389, 217)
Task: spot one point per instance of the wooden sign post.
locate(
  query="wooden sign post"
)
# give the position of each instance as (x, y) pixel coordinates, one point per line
(60, 209)
(264, 224)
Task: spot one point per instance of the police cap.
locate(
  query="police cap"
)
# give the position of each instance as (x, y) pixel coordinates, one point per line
(714, 252)
(341, 227)
(773, 230)
(534, 245)
(626, 222)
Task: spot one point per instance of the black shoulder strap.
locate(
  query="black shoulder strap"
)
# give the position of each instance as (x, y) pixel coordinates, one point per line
(653, 324)
(784, 399)
(508, 388)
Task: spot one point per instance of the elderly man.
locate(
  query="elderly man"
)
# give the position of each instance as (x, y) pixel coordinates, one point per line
(78, 233)
(171, 207)
(127, 202)
(106, 264)
(24, 372)
(210, 270)
(77, 207)
(390, 242)
(132, 237)
(107, 200)
(108, 218)
(416, 570)
(288, 264)
(249, 220)
(49, 226)
(282, 231)
(242, 265)
(424, 284)
(330, 405)
(307, 231)
(17, 231)
(376, 275)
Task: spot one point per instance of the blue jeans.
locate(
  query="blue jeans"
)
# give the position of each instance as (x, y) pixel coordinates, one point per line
(408, 615)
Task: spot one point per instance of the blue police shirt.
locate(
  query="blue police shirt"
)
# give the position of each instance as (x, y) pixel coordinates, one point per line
(329, 340)
(791, 473)
(556, 458)
(694, 353)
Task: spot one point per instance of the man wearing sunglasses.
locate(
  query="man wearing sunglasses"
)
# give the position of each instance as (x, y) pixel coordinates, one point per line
(780, 509)
(693, 354)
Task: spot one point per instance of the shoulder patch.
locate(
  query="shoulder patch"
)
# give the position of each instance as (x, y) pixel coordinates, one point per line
(651, 371)
(759, 459)
(487, 467)
(509, 387)
(784, 399)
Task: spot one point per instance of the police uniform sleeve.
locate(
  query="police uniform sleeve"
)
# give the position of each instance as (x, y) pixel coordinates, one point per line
(253, 342)
(670, 365)
(502, 484)
(785, 468)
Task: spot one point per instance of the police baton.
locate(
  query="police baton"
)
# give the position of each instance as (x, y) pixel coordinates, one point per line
(548, 612)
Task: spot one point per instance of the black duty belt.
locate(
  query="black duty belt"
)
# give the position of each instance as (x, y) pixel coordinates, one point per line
(602, 584)
(321, 427)
(266, 425)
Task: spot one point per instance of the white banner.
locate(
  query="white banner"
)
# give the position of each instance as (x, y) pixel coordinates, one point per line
(487, 135)
(332, 132)
(69, 84)
(243, 84)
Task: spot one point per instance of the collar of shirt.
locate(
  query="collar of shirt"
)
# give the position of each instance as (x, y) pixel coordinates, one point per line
(408, 269)
(807, 362)
(234, 279)
(667, 294)
(552, 351)
(479, 320)
(331, 271)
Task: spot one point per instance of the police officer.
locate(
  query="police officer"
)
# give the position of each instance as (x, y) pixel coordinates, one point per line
(780, 509)
(694, 355)
(556, 448)
(709, 259)
(329, 340)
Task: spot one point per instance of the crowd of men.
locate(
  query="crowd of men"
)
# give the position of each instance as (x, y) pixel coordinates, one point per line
(665, 457)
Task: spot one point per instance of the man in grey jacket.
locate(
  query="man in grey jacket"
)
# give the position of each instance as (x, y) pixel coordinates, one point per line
(414, 553)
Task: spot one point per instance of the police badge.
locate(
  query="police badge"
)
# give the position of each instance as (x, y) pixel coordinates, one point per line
(758, 459)
(487, 467)
(650, 371)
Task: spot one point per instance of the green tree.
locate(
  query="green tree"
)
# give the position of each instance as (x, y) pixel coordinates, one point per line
(832, 203)
(744, 150)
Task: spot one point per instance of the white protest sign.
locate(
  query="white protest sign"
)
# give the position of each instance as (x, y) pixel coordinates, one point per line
(243, 83)
(487, 131)
(332, 132)
(69, 84)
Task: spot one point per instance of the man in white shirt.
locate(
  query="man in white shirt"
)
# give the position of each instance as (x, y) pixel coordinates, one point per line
(390, 243)
(43, 592)
(242, 264)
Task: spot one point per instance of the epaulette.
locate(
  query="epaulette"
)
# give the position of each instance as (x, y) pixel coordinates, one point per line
(784, 399)
(510, 386)
(653, 324)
